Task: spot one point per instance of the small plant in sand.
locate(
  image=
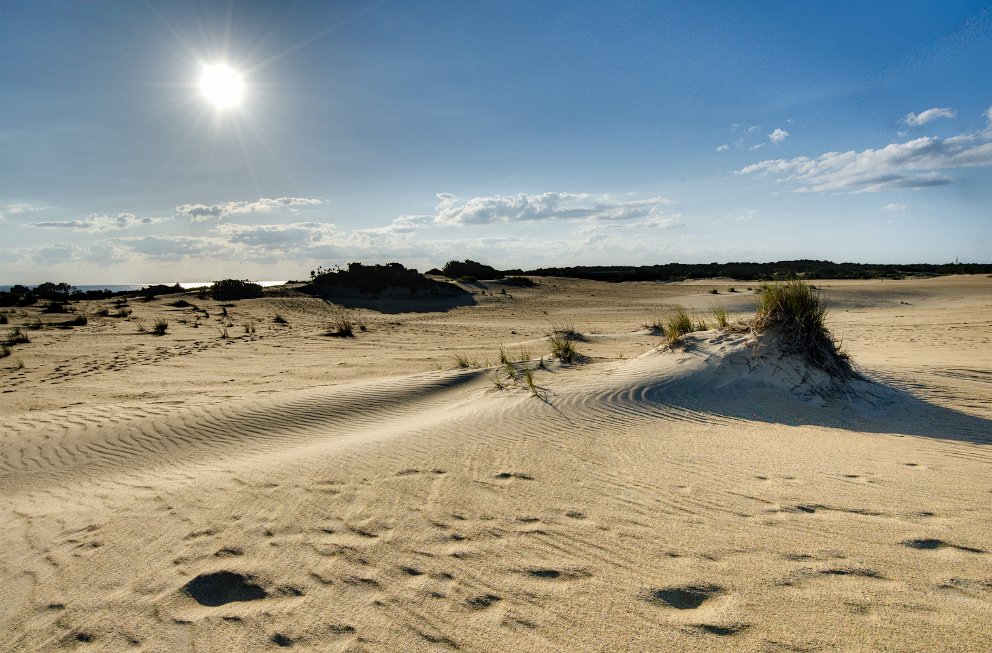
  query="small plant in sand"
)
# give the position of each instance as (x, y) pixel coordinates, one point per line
(341, 327)
(563, 349)
(701, 325)
(160, 327)
(497, 382)
(223, 333)
(528, 378)
(17, 336)
(249, 327)
(4, 351)
(655, 323)
(720, 315)
(794, 311)
(103, 312)
(464, 362)
(510, 370)
(140, 326)
(122, 312)
(279, 319)
(35, 325)
(678, 324)
(3, 318)
(18, 364)
(524, 355)
(714, 291)
(565, 329)
(79, 320)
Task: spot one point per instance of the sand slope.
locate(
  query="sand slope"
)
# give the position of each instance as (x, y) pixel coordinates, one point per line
(701, 499)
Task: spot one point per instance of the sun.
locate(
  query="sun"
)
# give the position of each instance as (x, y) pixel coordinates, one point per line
(222, 85)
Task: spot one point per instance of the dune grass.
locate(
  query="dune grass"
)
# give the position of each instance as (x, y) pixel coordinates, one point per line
(160, 327)
(341, 327)
(4, 351)
(719, 313)
(17, 336)
(563, 348)
(795, 311)
(678, 324)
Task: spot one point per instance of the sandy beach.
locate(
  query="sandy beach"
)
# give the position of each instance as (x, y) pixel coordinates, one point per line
(280, 488)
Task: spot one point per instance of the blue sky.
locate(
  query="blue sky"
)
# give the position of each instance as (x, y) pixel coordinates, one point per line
(522, 134)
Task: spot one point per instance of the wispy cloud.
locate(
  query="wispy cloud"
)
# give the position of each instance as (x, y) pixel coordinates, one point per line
(94, 222)
(923, 117)
(204, 213)
(913, 164)
(895, 206)
(778, 135)
(722, 148)
(544, 206)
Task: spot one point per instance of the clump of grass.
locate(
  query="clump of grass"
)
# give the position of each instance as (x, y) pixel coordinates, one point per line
(18, 364)
(731, 289)
(4, 351)
(795, 311)
(122, 312)
(511, 371)
(563, 348)
(54, 307)
(279, 319)
(249, 326)
(341, 327)
(655, 324)
(223, 333)
(528, 378)
(524, 355)
(79, 320)
(720, 315)
(714, 291)
(678, 324)
(464, 362)
(141, 327)
(3, 318)
(565, 329)
(103, 312)
(160, 327)
(35, 325)
(17, 336)
(497, 382)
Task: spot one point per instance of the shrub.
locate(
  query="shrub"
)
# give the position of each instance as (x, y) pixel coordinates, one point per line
(795, 311)
(565, 329)
(160, 327)
(467, 278)
(714, 291)
(463, 361)
(279, 319)
(122, 312)
(375, 279)
(54, 307)
(35, 325)
(103, 312)
(4, 351)
(3, 318)
(249, 326)
(228, 289)
(79, 320)
(469, 268)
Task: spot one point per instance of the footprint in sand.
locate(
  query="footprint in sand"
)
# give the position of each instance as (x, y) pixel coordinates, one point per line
(686, 597)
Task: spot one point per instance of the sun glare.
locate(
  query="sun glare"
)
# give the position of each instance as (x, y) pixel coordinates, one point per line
(222, 85)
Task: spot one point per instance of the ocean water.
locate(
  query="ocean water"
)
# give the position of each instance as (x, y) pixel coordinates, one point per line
(117, 287)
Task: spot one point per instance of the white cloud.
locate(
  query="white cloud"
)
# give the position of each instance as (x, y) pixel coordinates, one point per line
(988, 114)
(895, 206)
(203, 213)
(518, 208)
(778, 135)
(913, 164)
(94, 222)
(923, 117)
(722, 148)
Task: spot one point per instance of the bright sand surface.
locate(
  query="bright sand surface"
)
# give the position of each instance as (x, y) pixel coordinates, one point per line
(283, 488)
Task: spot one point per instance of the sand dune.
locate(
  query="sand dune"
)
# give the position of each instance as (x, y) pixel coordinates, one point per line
(285, 489)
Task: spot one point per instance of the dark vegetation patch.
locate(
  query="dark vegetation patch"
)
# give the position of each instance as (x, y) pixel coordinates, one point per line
(802, 268)
(374, 280)
(229, 289)
(469, 268)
